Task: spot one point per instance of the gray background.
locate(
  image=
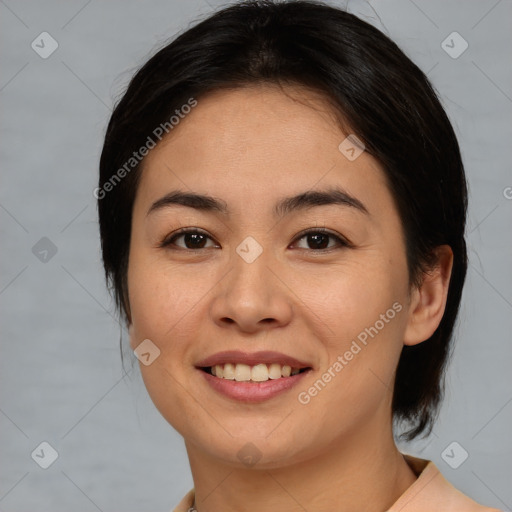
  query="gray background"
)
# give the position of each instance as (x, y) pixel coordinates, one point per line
(61, 375)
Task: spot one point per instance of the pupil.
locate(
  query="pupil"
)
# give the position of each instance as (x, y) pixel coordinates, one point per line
(196, 240)
(317, 242)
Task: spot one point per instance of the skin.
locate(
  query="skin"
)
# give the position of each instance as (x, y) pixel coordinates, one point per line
(338, 449)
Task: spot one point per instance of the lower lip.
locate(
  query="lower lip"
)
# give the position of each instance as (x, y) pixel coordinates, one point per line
(253, 392)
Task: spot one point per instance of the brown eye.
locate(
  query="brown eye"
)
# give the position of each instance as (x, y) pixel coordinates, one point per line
(318, 240)
(192, 239)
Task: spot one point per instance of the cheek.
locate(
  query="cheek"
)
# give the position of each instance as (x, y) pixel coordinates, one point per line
(361, 309)
(352, 296)
(161, 297)
(163, 301)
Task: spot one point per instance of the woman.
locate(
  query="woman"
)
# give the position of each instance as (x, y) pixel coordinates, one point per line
(282, 207)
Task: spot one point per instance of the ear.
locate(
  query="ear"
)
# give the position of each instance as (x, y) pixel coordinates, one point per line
(428, 301)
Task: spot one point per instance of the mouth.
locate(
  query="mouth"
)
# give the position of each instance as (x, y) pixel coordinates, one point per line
(260, 372)
(253, 377)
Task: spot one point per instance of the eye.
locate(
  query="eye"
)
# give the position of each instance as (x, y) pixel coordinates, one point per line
(318, 239)
(192, 239)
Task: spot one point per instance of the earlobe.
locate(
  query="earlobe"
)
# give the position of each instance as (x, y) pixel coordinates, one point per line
(429, 299)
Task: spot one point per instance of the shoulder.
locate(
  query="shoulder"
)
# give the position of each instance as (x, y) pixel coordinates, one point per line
(431, 491)
(186, 503)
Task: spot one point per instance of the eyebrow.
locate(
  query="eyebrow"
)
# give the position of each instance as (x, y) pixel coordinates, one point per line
(308, 199)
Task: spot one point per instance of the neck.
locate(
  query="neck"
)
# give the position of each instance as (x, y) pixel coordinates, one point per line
(362, 471)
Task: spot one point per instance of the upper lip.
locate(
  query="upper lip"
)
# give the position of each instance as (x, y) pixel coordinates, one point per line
(251, 359)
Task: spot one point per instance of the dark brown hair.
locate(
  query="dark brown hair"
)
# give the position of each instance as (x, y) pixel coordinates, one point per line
(385, 99)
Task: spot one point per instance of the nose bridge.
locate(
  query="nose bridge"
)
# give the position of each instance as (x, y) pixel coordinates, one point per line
(250, 276)
(251, 295)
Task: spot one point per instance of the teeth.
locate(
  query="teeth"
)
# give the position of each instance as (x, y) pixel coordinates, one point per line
(274, 372)
(258, 373)
(242, 372)
(229, 371)
(286, 371)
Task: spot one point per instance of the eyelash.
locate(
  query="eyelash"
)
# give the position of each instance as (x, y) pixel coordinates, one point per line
(168, 242)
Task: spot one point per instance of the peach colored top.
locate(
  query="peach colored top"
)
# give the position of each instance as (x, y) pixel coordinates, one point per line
(431, 492)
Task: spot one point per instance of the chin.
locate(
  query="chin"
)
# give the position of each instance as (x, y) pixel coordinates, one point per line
(251, 450)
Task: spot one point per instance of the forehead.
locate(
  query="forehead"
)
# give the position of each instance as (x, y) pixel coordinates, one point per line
(258, 141)
(251, 120)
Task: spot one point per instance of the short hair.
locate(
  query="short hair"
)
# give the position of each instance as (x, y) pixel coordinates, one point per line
(374, 89)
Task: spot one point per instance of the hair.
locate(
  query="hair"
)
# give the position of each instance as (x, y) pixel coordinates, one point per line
(374, 89)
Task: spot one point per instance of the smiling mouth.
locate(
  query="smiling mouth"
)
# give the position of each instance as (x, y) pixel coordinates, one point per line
(258, 373)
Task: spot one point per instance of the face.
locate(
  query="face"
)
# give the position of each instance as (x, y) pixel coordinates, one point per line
(318, 283)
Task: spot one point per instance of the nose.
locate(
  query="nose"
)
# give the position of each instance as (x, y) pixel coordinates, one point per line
(252, 297)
